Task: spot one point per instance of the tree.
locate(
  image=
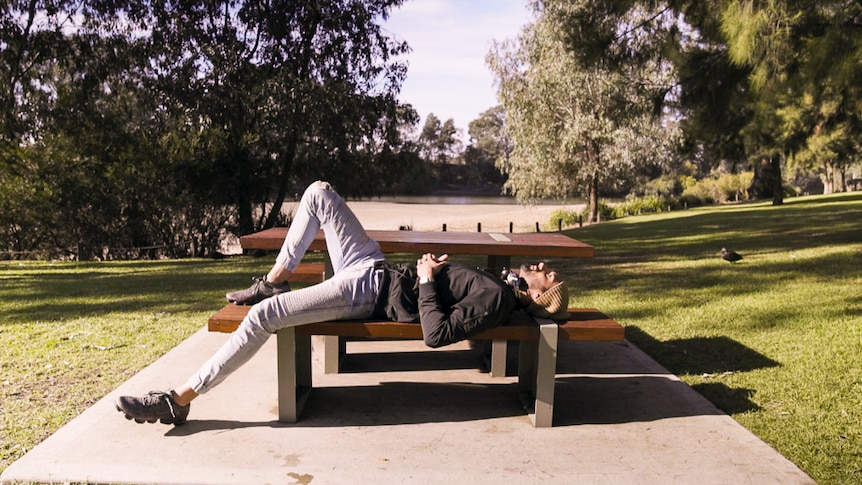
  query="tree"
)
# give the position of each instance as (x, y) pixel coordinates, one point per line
(488, 134)
(579, 124)
(803, 58)
(439, 142)
(291, 85)
(142, 123)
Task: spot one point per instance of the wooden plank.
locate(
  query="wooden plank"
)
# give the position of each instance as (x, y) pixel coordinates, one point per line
(309, 273)
(586, 324)
(591, 324)
(468, 243)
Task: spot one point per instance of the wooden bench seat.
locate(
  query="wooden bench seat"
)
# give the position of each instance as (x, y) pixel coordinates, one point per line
(536, 362)
(309, 273)
(584, 324)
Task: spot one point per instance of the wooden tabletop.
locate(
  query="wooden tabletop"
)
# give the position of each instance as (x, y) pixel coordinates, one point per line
(468, 243)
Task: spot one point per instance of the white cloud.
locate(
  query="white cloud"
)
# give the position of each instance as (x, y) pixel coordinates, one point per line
(449, 40)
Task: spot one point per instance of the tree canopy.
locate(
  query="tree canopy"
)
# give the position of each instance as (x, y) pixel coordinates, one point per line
(166, 124)
(157, 128)
(579, 123)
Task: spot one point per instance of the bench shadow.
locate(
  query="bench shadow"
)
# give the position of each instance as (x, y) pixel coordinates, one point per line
(414, 360)
(700, 355)
(604, 400)
(597, 383)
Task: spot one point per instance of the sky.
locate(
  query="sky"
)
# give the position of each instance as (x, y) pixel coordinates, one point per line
(447, 73)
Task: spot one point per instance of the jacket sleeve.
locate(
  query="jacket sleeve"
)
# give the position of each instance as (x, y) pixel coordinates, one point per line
(485, 308)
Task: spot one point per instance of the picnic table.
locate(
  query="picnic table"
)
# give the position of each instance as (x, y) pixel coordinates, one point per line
(498, 247)
(538, 352)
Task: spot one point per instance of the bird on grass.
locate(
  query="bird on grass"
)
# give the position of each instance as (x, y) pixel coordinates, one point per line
(730, 256)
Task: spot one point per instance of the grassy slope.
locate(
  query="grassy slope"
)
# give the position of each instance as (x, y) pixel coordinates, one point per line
(774, 340)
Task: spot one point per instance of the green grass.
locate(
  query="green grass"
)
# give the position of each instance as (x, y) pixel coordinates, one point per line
(775, 340)
(72, 332)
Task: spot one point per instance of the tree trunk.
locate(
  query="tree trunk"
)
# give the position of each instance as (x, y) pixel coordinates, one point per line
(842, 177)
(828, 177)
(594, 198)
(777, 189)
(244, 204)
(284, 178)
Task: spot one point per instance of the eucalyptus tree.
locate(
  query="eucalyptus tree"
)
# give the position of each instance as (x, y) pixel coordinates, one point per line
(137, 122)
(31, 37)
(580, 122)
(60, 63)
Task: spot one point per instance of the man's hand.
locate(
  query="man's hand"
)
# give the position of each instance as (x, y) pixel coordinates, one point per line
(429, 265)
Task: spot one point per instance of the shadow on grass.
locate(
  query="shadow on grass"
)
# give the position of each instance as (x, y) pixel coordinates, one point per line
(86, 289)
(798, 224)
(700, 355)
(731, 400)
(707, 356)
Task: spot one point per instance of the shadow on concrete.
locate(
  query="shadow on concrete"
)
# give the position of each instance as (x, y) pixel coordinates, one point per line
(412, 361)
(597, 383)
(579, 400)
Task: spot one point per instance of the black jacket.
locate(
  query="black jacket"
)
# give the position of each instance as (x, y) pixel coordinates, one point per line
(460, 302)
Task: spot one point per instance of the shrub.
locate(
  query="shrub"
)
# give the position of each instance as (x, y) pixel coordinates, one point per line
(727, 187)
(642, 205)
(605, 211)
(563, 217)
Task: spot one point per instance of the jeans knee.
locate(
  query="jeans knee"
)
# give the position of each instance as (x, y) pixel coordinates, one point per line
(320, 185)
(319, 190)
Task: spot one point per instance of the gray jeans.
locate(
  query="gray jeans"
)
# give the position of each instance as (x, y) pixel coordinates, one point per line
(350, 294)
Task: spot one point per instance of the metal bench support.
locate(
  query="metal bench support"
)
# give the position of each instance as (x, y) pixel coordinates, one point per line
(294, 373)
(537, 367)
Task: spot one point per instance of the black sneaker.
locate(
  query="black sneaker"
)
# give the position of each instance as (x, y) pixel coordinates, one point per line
(155, 406)
(259, 290)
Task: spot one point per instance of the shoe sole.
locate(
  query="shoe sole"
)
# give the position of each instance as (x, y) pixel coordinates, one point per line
(142, 421)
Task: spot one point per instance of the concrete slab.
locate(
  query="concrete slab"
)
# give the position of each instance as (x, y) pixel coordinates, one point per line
(405, 413)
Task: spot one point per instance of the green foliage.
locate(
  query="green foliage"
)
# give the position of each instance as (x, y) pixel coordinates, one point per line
(722, 188)
(564, 218)
(438, 142)
(641, 205)
(806, 104)
(171, 126)
(578, 126)
(604, 211)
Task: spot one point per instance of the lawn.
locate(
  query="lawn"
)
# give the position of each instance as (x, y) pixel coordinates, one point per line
(774, 340)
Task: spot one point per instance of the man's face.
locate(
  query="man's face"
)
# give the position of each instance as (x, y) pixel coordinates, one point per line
(538, 277)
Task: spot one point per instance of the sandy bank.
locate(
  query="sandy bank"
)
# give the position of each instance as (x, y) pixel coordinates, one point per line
(457, 217)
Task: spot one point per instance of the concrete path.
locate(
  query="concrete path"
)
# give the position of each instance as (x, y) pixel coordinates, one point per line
(402, 413)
